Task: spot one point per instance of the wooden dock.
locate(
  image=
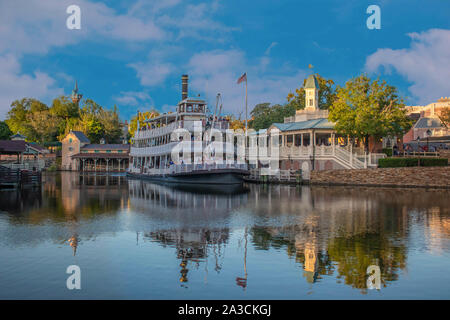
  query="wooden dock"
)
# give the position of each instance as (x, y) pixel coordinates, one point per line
(279, 177)
(16, 178)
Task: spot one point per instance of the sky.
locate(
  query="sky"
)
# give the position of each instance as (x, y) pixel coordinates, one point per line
(132, 53)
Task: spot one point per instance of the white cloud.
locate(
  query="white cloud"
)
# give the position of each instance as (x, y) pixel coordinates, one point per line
(34, 26)
(14, 85)
(152, 73)
(134, 98)
(215, 71)
(272, 45)
(426, 64)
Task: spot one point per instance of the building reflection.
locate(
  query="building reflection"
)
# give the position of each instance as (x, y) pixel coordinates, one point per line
(335, 232)
(344, 230)
(64, 202)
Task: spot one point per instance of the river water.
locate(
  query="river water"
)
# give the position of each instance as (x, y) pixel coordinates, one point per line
(133, 239)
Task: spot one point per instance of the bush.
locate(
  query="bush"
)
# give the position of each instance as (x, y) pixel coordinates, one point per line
(52, 168)
(387, 151)
(411, 162)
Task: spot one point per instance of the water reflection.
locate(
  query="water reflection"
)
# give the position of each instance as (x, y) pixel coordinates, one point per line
(198, 219)
(269, 240)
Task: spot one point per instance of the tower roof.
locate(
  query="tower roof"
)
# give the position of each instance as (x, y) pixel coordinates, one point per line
(311, 82)
(75, 90)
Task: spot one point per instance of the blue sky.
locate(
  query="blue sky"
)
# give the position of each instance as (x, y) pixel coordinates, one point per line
(133, 53)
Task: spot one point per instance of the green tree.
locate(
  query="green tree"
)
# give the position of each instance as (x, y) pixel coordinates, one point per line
(327, 94)
(44, 125)
(111, 125)
(67, 113)
(365, 108)
(263, 115)
(142, 117)
(5, 132)
(18, 116)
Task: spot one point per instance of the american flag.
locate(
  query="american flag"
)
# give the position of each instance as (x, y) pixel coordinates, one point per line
(242, 78)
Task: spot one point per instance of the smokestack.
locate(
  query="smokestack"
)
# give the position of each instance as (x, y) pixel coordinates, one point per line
(184, 86)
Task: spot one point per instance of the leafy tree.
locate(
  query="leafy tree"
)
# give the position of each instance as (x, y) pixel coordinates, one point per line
(142, 117)
(445, 117)
(40, 123)
(365, 108)
(5, 132)
(67, 114)
(44, 125)
(90, 126)
(18, 120)
(111, 125)
(264, 115)
(327, 94)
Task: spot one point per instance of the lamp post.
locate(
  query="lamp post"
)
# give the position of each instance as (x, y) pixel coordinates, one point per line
(418, 148)
(428, 135)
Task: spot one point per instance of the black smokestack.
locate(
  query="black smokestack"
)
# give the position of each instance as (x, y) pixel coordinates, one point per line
(184, 86)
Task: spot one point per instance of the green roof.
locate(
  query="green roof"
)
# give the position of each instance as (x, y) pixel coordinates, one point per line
(311, 82)
(321, 123)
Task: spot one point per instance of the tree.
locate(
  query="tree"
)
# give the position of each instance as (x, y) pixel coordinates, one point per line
(44, 124)
(67, 114)
(327, 94)
(18, 120)
(111, 125)
(445, 117)
(142, 117)
(5, 132)
(365, 108)
(264, 115)
(90, 126)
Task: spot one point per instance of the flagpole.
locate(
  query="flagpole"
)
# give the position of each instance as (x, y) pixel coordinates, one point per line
(246, 115)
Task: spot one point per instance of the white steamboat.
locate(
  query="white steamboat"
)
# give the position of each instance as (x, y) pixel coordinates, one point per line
(187, 146)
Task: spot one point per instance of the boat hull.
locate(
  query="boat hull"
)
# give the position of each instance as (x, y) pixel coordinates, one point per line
(212, 177)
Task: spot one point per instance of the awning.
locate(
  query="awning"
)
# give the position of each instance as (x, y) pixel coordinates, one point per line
(101, 156)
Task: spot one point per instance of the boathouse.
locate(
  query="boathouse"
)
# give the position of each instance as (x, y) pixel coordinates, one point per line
(78, 154)
(20, 154)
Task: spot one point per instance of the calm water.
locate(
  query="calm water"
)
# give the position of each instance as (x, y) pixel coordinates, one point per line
(135, 239)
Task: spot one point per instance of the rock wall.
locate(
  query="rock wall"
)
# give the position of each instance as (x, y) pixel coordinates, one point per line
(389, 177)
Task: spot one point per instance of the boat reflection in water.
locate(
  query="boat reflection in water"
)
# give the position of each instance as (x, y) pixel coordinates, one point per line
(198, 218)
(137, 239)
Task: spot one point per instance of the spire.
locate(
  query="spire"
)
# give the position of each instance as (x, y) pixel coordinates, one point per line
(75, 96)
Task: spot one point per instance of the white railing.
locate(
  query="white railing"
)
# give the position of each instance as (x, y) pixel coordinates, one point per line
(349, 158)
(156, 132)
(150, 151)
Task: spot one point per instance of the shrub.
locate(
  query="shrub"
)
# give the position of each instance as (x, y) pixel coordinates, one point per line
(411, 162)
(387, 151)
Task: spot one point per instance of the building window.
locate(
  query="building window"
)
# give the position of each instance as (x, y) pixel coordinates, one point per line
(108, 151)
(70, 149)
(97, 151)
(70, 140)
(311, 102)
(120, 151)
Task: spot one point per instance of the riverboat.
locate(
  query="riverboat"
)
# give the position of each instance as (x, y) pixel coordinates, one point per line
(189, 146)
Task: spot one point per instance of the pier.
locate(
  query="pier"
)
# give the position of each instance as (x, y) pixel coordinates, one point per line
(16, 178)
